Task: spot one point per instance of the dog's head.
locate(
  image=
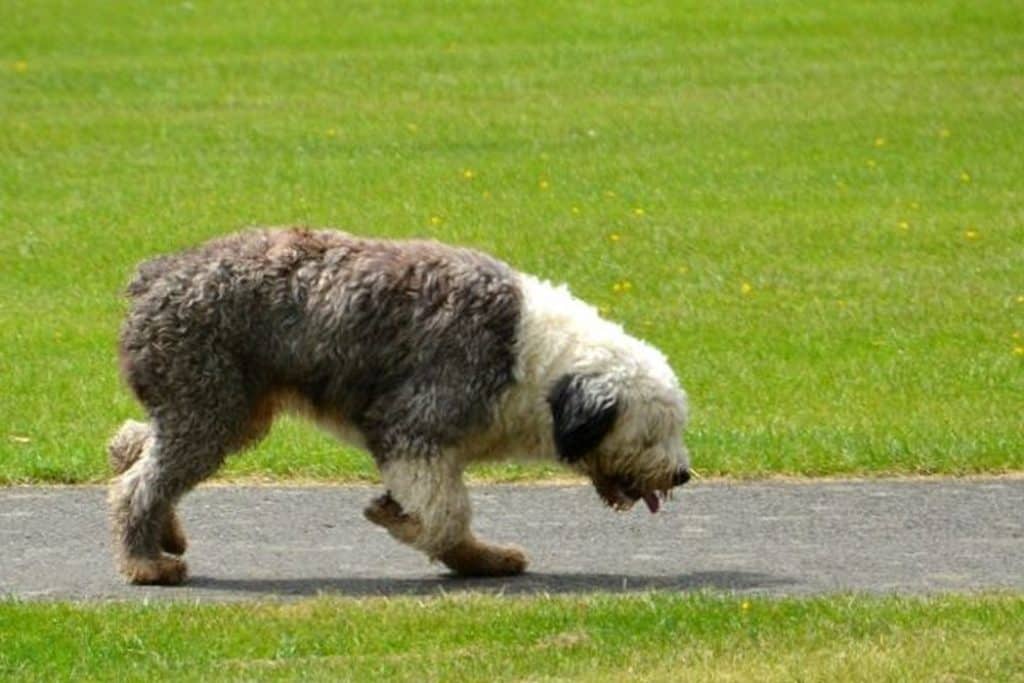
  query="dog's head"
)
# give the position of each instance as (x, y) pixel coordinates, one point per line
(623, 433)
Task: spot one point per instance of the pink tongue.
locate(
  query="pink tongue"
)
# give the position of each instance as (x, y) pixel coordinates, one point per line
(652, 502)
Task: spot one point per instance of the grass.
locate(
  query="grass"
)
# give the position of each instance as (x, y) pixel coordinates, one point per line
(599, 638)
(813, 208)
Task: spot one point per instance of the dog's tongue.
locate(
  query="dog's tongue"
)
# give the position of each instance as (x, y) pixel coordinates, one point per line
(652, 502)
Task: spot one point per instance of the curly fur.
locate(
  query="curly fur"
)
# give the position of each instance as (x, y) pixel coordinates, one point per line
(428, 356)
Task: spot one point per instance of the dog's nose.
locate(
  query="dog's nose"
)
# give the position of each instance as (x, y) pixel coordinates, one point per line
(681, 477)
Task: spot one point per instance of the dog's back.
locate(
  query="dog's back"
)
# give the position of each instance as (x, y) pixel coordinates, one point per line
(359, 326)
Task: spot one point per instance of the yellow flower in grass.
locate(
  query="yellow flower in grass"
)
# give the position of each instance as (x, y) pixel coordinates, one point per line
(965, 177)
(871, 163)
(544, 184)
(879, 142)
(744, 605)
(746, 288)
(1018, 350)
(904, 225)
(436, 220)
(21, 66)
(622, 286)
(1020, 299)
(971, 234)
(638, 211)
(614, 237)
(468, 174)
(575, 210)
(944, 133)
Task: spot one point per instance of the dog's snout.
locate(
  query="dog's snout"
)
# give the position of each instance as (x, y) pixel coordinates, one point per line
(681, 477)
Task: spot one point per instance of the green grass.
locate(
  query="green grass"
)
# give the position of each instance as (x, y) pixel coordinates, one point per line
(814, 209)
(599, 638)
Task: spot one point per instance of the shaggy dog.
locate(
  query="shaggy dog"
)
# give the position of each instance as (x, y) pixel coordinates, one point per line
(429, 357)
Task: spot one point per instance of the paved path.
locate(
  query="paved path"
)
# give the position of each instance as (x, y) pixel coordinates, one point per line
(774, 538)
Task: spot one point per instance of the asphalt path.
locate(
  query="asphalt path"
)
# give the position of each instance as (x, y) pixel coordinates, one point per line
(263, 542)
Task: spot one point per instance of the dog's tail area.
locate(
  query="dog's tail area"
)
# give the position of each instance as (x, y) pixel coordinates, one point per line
(147, 272)
(127, 446)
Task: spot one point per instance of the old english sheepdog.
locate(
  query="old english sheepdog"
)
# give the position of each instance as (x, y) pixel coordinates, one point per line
(429, 357)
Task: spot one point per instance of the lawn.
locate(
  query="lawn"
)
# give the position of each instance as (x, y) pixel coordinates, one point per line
(473, 638)
(814, 208)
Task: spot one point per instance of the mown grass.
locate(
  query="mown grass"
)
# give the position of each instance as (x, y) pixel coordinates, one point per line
(599, 638)
(813, 208)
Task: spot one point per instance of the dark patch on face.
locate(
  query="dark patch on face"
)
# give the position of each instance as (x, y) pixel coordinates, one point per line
(583, 411)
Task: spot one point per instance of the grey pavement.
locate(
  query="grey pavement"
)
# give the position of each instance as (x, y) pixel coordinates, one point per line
(261, 542)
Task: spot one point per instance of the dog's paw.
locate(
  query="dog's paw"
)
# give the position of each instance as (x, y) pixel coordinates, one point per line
(385, 511)
(473, 558)
(165, 571)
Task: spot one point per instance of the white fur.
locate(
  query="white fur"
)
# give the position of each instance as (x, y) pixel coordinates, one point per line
(558, 334)
(431, 489)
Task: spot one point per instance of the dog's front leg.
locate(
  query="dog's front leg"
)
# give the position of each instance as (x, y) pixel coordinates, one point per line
(386, 512)
(427, 506)
(472, 557)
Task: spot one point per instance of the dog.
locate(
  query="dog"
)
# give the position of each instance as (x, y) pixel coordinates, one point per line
(430, 357)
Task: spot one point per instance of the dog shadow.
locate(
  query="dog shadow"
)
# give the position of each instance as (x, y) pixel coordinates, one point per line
(525, 584)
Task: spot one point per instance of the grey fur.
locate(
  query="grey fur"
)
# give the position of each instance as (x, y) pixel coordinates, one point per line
(430, 356)
(409, 342)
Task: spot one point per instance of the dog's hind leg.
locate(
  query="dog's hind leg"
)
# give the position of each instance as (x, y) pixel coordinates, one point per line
(140, 502)
(427, 506)
(125, 449)
(143, 499)
(188, 442)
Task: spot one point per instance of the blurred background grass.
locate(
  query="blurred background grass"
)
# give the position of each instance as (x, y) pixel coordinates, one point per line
(814, 209)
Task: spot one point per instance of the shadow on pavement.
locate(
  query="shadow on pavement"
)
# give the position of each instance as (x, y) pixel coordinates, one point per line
(526, 584)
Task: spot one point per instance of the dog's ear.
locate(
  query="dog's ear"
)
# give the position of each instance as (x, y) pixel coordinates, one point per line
(584, 408)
